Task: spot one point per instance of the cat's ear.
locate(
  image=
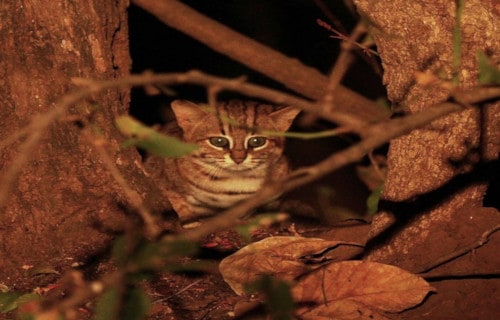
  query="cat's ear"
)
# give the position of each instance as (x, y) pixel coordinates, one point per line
(284, 117)
(187, 113)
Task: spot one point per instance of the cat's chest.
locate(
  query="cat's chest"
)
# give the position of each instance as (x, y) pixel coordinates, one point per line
(211, 188)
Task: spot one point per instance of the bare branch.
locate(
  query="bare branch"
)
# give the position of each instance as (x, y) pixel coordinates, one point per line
(376, 135)
(40, 123)
(485, 237)
(151, 227)
(290, 72)
(199, 78)
(342, 64)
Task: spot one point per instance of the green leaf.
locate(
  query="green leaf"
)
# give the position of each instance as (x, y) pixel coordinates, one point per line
(278, 297)
(373, 199)
(175, 247)
(137, 305)
(12, 300)
(119, 250)
(488, 74)
(151, 140)
(146, 257)
(107, 305)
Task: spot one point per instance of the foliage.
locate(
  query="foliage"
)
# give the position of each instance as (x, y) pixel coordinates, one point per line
(488, 74)
(12, 300)
(373, 199)
(323, 287)
(336, 290)
(277, 296)
(151, 140)
(359, 289)
(141, 258)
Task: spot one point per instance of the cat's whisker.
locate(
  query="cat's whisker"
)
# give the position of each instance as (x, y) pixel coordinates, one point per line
(232, 162)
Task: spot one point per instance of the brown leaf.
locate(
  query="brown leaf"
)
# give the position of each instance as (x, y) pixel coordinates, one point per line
(342, 310)
(366, 289)
(282, 257)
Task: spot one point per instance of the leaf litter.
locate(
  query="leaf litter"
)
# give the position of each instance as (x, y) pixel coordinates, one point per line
(324, 289)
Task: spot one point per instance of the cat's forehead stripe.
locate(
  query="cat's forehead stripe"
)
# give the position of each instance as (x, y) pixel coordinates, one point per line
(251, 113)
(222, 126)
(234, 111)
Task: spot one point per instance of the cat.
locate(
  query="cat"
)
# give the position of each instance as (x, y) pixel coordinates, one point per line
(234, 157)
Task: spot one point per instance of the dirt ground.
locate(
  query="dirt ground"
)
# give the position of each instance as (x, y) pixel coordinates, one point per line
(467, 287)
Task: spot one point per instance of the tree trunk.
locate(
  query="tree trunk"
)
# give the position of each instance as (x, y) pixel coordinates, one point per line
(433, 196)
(64, 205)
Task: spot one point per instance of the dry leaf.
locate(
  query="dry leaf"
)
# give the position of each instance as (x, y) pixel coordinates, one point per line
(343, 310)
(366, 289)
(282, 257)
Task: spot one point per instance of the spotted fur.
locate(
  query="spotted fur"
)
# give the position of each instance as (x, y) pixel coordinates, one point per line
(234, 158)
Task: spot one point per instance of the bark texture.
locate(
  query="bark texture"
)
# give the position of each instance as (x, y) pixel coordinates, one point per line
(442, 161)
(65, 205)
(432, 203)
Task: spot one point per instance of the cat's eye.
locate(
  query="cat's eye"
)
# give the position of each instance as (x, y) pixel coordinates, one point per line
(219, 142)
(255, 142)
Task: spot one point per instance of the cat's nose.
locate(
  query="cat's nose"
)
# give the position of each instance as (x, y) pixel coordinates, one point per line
(238, 156)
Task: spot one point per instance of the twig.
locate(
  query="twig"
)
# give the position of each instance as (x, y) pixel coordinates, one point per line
(151, 227)
(199, 78)
(308, 135)
(292, 73)
(377, 135)
(178, 292)
(40, 123)
(342, 64)
(461, 251)
(82, 293)
(327, 12)
(349, 41)
(376, 166)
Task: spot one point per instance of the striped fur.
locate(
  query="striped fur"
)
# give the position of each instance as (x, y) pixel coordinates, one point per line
(216, 177)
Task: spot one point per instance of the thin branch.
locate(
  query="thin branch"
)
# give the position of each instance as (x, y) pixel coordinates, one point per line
(178, 292)
(377, 135)
(342, 64)
(485, 237)
(349, 41)
(238, 84)
(328, 13)
(82, 292)
(151, 227)
(292, 73)
(376, 166)
(40, 123)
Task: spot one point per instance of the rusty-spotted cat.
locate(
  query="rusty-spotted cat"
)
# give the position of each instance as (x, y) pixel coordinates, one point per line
(234, 158)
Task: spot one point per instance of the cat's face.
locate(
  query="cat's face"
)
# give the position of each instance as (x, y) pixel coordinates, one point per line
(228, 137)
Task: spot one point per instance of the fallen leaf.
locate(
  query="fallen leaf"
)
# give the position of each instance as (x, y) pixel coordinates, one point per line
(367, 289)
(282, 257)
(343, 310)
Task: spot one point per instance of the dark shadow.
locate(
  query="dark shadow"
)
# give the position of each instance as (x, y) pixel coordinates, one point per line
(407, 211)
